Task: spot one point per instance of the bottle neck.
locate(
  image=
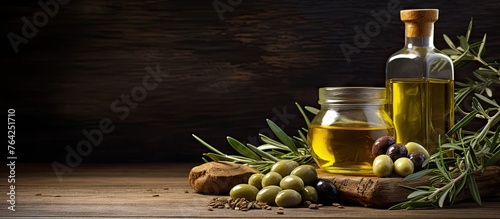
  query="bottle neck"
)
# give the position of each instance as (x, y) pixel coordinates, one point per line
(419, 35)
(412, 42)
(377, 105)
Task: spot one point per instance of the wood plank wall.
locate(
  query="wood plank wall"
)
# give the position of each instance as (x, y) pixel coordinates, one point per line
(225, 76)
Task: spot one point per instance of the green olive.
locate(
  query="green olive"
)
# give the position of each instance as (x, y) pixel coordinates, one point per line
(309, 193)
(382, 165)
(284, 167)
(288, 198)
(268, 194)
(416, 147)
(403, 166)
(271, 178)
(256, 180)
(307, 173)
(292, 182)
(246, 191)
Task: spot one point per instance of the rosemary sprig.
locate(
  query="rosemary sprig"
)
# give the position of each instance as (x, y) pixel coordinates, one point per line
(473, 150)
(264, 156)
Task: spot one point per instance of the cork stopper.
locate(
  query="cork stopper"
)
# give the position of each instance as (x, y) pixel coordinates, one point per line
(419, 22)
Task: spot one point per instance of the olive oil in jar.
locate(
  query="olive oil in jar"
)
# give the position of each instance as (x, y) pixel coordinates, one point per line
(341, 134)
(421, 109)
(345, 149)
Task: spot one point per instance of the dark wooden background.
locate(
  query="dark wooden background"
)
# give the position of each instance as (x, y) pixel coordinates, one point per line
(225, 77)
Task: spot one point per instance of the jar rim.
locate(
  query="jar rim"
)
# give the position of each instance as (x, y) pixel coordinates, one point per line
(360, 95)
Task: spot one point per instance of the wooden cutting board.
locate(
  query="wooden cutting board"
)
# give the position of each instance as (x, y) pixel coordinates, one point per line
(384, 192)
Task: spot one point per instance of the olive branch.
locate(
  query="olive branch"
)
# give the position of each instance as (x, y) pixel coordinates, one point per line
(264, 156)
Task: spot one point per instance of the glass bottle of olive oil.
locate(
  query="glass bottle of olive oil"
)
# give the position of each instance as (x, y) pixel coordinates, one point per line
(419, 82)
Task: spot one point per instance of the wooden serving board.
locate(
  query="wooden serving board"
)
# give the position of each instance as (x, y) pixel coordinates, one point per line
(384, 192)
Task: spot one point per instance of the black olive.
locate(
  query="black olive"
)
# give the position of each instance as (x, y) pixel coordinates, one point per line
(327, 192)
(418, 159)
(396, 151)
(381, 145)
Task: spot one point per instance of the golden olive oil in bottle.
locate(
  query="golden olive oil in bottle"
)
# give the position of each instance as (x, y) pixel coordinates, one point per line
(419, 82)
(422, 108)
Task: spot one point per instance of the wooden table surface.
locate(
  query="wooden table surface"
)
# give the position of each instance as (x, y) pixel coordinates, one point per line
(162, 190)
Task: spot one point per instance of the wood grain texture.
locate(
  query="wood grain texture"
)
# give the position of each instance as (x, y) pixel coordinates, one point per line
(385, 192)
(127, 191)
(224, 77)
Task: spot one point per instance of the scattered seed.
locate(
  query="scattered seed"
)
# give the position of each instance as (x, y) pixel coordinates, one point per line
(240, 204)
(38, 194)
(167, 189)
(149, 190)
(313, 206)
(320, 205)
(186, 191)
(57, 196)
(335, 204)
(210, 208)
(281, 208)
(156, 195)
(269, 208)
(340, 206)
(280, 212)
(251, 205)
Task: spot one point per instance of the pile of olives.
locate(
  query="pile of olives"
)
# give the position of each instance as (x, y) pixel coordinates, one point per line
(401, 159)
(286, 185)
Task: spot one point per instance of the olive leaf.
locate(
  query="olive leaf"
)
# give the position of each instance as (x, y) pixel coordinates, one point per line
(418, 174)
(282, 136)
(262, 153)
(242, 149)
(306, 119)
(312, 110)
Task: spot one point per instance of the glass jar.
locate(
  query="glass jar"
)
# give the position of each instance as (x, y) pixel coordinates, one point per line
(342, 133)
